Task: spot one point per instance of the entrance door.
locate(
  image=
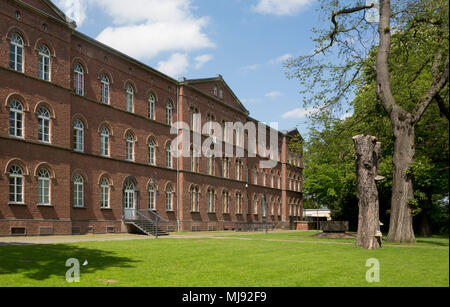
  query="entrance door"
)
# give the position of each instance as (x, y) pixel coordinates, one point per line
(129, 201)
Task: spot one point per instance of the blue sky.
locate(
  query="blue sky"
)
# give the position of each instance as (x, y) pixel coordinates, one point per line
(246, 41)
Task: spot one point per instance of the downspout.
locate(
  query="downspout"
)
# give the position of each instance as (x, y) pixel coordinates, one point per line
(178, 162)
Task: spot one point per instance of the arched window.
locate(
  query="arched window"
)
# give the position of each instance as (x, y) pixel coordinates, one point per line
(78, 79)
(210, 195)
(255, 176)
(195, 194)
(152, 197)
(210, 163)
(272, 207)
(44, 63)
(255, 205)
(226, 202)
(239, 169)
(169, 198)
(44, 187)
(169, 111)
(130, 146)
(78, 135)
(169, 155)
(239, 201)
(151, 106)
(272, 180)
(225, 167)
(151, 152)
(130, 98)
(210, 119)
(43, 125)
(194, 160)
(195, 120)
(104, 193)
(104, 89)
(16, 119)
(78, 191)
(104, 141)
(16, 53)
(129, 194)
(16, 185)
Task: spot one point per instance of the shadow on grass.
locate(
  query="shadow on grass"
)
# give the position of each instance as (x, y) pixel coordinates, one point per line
(41, 262)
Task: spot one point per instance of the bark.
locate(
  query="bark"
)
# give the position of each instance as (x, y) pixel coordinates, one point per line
(401, 224)
(368, 153)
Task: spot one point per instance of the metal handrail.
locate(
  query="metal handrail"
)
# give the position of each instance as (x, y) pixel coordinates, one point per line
(159, 217)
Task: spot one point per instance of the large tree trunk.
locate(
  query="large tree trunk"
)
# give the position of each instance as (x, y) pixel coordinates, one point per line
(368, 152)
(401, 226)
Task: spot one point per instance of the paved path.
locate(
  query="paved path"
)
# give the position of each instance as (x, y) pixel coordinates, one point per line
(5, 241)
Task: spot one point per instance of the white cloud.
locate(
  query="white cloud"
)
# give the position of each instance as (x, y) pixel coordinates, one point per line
(280, 7)
(281, 59)
(274, 94)
(145, 28)
(250, 100)
(175, 66)
(74, 9)
(300, 113)
(202, 60)
(250, 67)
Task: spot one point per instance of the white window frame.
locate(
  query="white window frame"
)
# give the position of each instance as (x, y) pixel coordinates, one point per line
(78, 134)
(130, 98)
(44, 63)
(44, 187)
(104, 141)
(152, 152)
(104, 90)
(151, 107)
(104, 193)
(16, 111)
(44, 125)
(16, 53)
(130, 147)
(16, 184)
(78, 191)
(78, 79)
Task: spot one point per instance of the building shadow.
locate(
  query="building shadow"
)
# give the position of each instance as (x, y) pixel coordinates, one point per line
(41, 262)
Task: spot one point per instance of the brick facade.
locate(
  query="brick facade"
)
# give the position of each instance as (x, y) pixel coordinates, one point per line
(40, 23)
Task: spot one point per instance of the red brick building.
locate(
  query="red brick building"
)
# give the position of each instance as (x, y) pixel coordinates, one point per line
(85, 135)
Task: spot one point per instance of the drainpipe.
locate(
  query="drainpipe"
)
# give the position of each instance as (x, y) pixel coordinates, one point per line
(178, 163)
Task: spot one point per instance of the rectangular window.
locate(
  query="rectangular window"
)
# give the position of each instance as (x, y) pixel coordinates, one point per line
(44, 191)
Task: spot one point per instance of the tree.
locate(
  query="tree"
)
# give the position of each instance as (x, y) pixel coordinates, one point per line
(417, 30)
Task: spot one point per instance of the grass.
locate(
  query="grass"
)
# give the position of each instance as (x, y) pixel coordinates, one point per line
(434, 241)
(212, 262)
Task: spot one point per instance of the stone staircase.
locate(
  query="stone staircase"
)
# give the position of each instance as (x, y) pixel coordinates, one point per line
(147, 226)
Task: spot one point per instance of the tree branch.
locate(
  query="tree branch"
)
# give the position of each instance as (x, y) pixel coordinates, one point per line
(336, 26)
(444, 110)
(427, 98)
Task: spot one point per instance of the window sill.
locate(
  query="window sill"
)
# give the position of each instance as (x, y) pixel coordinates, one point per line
(17, 204)
(84, 207)
(107, 209)
(45, 206)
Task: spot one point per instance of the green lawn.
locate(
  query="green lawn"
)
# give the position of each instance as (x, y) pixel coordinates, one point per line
(223, 263)
(435, 241)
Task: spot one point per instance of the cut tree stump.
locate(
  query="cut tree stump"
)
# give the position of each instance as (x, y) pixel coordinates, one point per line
(368, 153)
